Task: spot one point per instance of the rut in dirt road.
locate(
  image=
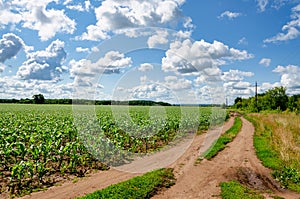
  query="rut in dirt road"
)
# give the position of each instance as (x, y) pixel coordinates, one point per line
(237, 161)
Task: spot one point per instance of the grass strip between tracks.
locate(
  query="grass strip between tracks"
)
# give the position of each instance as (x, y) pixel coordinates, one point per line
(144, 186)
(224, 139)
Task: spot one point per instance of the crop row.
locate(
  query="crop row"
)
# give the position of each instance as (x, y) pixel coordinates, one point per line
(41, 144)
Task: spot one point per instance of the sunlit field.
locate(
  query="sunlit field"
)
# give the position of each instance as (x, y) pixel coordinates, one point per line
(42, 144)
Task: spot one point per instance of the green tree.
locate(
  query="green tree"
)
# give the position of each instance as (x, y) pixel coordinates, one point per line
(38, 99)
(294, 102)
(277, 98)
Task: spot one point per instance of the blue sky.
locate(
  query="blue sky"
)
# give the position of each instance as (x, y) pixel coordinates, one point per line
(179, 51)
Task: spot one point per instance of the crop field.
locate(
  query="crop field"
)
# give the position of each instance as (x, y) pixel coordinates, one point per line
(40, 145)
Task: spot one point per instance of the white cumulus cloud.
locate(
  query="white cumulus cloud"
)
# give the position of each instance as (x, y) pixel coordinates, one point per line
(112, 62)
(235, 75)
(145, 67)
(114, 15)
(265, 62)
(81, 49)
(290, 30)
(35, 15)
(229, 15)
(290, 76)
(159, 38)
(10, 45)
(190, 58)
(45, 64)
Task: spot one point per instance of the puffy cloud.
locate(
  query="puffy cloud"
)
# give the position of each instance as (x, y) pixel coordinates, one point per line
(183, 34)
(291, 29)
(208, 76)
(45, 64)
(78, 7)
(159, 38)
(265, 61)
(10, 45)
(235, 86)
(48, 22)
(262, 4)
(235, 75)
(35, 15)
(150, 91)
(190, 58)
(7, 16)
(229, 15)
(114, 15)
(290, 77)
(112, 62)
(175, 84)
(80, 49)
(145, 67)
(13, 87)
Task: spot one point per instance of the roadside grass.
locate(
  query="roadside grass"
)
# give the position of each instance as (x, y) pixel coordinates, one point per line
(144, 186)
(277, 145)
(227, 137)
(235, 190)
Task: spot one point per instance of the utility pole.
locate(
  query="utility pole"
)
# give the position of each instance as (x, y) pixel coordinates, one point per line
(256, 97)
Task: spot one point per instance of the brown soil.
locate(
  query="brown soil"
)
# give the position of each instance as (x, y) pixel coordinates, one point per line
(238, 161)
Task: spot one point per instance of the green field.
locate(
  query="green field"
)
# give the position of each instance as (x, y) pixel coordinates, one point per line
(40, 144)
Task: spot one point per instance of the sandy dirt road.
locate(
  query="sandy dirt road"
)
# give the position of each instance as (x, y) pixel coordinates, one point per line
(238, 161)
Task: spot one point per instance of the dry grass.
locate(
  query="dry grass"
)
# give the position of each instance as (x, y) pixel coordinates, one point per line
(285, 135)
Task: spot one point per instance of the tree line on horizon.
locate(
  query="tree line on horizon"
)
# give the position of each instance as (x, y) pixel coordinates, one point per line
(40, 99)
(274, 99)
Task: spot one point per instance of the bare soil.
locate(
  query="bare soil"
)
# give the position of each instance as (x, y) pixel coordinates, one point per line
(238, 161)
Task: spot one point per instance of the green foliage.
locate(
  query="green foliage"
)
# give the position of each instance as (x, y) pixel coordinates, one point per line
(277, 98)
(38, 99)
(139, 187)
(227, 137)
(234, 190)
(288, 177)
(274, 99)
(294, 103)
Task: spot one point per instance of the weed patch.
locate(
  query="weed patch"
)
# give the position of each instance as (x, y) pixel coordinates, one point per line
(144, 186)
(234, 190)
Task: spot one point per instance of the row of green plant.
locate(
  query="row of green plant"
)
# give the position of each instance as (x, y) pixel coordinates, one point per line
(266, 140)
(235, 190)
(42, 143)
(144, 186)
(224, 139)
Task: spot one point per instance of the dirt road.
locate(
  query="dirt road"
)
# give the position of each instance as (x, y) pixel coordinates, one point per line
(238, 161)
(189, 147)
